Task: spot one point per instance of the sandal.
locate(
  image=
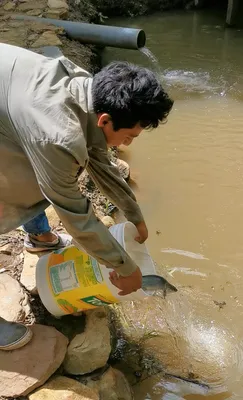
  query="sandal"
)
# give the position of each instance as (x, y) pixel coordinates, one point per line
(35, 246)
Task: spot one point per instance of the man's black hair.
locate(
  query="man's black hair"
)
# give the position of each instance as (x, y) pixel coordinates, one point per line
(130, 94)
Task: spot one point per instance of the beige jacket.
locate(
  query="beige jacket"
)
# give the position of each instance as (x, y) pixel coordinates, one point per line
(48, 136)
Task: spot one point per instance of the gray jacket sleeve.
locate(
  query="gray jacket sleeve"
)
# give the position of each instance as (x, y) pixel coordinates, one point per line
(112, 185)
(57, 173)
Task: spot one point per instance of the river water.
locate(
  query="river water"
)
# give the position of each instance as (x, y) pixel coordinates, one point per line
(188, 174)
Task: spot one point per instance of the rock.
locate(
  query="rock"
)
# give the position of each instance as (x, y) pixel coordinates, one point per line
(35, 13)
(113, 385)
(47, 38)
(52, 216)
(4, 17)
(108, 221)
(62, 388)
(57, 4)
(61, 13)
(89, 350)
(32, 5)
(32, 37)
(80, 54)
(25, 369)
(180, 335)
(10, 6)
(4, 30)
(57, 9)
(17, 32)
(16, 37)
(14, 304)
(124, 169)
(39, 27)
(28, 273)
(6, 249)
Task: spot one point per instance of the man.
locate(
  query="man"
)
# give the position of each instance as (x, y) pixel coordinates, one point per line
(55, 121)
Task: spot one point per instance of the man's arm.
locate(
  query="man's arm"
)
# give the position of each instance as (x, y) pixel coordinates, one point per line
(108, 180)
(57, 175)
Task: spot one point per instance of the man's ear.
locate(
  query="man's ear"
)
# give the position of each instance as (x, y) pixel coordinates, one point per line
(103, 120)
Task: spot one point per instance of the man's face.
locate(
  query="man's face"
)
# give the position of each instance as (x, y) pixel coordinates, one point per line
(116, 138)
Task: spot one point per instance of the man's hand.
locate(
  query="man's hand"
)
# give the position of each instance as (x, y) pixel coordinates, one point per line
(127, 284)
(143, 232)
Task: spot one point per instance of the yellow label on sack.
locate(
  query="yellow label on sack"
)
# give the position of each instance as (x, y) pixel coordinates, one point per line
(76, 281)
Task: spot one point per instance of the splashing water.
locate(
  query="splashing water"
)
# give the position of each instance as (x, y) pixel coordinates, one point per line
(149, 54)
(200, 82)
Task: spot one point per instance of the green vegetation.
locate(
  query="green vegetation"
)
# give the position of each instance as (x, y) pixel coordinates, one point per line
(135, 7)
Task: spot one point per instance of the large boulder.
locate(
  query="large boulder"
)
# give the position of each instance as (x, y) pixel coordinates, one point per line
(25, 369)
(62, 388)
(91, 349)
(182, 335)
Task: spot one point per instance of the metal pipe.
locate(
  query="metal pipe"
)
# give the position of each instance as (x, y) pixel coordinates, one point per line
(100, 35)
(232, 12)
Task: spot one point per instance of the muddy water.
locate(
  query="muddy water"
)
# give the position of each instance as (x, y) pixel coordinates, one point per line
(189, 173)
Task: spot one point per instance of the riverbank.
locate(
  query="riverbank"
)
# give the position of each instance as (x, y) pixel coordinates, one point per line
(34, 36)
(133, 8)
